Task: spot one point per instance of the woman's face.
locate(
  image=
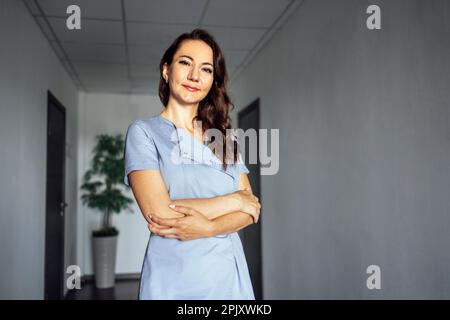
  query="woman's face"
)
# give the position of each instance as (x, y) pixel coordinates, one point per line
(191, 73)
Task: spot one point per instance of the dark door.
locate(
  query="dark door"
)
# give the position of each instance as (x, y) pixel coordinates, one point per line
(251, 236)
(55, 201)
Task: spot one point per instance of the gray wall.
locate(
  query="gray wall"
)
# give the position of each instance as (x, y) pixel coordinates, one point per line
(28, 67)
(364, 177)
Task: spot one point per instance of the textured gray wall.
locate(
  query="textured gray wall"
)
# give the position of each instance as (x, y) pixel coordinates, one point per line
(364, 178)
(28, 67)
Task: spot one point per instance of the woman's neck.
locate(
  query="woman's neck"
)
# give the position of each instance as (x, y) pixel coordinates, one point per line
(181, 116)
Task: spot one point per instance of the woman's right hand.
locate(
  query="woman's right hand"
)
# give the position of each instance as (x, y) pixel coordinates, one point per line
(249, 203)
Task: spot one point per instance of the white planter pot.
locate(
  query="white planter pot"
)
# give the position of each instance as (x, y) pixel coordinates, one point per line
(104, 249)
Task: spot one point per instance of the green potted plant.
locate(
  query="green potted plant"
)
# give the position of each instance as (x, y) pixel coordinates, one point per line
(101, 185)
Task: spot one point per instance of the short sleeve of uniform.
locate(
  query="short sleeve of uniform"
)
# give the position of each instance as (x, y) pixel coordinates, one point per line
(140, 151)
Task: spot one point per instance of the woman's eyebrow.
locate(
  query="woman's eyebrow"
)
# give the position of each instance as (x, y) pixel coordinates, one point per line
(193, 59)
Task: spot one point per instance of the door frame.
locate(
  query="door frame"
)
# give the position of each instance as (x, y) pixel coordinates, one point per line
(53, 101)
(254, 106)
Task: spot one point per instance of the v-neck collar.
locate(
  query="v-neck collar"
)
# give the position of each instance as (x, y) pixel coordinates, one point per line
(183, 129)
(192, 148)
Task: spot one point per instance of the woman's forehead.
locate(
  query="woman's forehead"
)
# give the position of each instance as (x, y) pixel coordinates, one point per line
(195, 49)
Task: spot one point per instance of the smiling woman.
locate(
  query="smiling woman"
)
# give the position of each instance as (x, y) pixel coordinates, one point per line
(194, 207)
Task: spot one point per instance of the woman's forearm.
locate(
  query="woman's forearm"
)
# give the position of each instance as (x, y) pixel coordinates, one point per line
(213, 207)
(231, 222)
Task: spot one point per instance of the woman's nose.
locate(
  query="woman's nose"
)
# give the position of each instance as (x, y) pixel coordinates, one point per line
(193, 74)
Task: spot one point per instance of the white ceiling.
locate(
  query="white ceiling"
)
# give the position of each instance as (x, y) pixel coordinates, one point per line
(121, 42)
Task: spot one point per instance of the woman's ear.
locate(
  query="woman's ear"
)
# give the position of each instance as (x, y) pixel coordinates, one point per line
(165, 72)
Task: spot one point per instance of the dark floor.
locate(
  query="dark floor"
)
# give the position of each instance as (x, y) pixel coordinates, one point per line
(123, 290)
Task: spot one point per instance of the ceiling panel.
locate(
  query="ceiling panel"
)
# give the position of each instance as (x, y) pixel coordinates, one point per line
(148, 70)
(165, 11)
(248, 13)
(145, 54)
(234, 57)
(157, 35)
(91, 72)
(92, 31)
(236, 38)
(98, 9)
(95, 52)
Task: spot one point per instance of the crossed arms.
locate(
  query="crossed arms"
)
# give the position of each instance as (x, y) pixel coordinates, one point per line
(192, 218)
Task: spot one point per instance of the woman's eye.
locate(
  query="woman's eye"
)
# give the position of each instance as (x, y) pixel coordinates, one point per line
(186, 63)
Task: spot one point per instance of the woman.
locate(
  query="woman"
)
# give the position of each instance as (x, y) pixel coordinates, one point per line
(194, 206)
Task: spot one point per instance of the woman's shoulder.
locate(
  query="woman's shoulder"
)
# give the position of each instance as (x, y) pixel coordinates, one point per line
(148, 124)
(153, 127)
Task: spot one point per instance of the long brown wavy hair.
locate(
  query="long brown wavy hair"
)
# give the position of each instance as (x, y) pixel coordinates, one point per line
(213, 110)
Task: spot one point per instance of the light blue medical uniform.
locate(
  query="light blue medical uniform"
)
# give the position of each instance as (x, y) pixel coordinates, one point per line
(206, 268)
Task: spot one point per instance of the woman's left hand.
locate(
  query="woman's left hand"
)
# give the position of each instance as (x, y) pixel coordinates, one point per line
(192, 226)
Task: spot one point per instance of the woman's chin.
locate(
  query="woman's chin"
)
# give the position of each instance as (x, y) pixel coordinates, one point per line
(189, 99)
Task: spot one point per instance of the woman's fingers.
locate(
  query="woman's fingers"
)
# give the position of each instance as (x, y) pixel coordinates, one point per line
(255, 218)
(156, 225)
(164, 232)
(182, 209)
(254, 214)
(170, 231)
(169, 222)
(150, 221)
(153, 229)
(171, 236)
(258, 210)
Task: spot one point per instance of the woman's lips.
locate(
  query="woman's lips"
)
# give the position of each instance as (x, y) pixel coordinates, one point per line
(190, 88)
